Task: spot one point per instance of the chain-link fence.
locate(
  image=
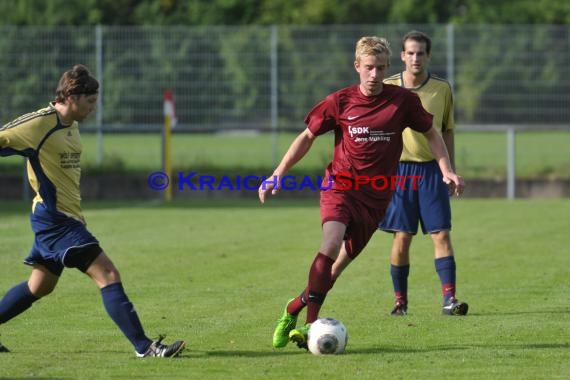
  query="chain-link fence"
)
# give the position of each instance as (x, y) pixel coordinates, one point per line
(268, 77)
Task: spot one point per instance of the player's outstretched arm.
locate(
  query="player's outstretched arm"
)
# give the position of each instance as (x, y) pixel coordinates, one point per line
(297, 150)
(437, 145)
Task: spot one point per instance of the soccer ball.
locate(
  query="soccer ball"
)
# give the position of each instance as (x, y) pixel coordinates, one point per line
(327, 336)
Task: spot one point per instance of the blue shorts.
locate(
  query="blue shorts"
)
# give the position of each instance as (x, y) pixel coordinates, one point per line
(60, 241)
(428, 204)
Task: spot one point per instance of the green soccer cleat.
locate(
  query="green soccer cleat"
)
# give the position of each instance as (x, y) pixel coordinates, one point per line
(285, 324)
(301, 336)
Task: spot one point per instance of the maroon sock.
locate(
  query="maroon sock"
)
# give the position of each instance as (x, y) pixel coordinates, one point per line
(320, 282)
(296, 305)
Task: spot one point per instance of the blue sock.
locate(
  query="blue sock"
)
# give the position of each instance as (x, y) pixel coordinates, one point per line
(400, 281)
(123, 313)
(16, 301)
(445, 268)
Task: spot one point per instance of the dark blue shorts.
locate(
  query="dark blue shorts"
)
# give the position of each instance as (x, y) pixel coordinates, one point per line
(60, 241)
(428, 204)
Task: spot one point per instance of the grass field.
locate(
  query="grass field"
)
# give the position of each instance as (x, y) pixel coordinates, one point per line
(479, 155)
(219, 273)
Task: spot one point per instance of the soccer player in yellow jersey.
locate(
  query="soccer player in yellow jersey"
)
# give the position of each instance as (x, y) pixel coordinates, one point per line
(49, 139)
(429, 204)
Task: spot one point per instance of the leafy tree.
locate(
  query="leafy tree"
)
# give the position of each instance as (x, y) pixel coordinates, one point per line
(50, 13)
(512, 12)
(280, 12)
(423, 12)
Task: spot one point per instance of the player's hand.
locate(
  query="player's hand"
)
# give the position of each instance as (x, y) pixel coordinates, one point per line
(455, 183)
(270, 184)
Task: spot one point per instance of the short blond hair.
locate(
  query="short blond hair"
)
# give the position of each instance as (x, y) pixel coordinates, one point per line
(372, 46)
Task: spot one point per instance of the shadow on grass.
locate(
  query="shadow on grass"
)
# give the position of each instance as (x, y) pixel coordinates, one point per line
(368, 350)
(375, 350)
(251, 353)
(495, 313)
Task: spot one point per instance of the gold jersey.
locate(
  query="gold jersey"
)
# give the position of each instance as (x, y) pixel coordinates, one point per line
(53, 152)
(437, 98)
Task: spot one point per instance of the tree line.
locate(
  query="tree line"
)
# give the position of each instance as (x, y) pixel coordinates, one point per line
(280, 12)
(502, 73)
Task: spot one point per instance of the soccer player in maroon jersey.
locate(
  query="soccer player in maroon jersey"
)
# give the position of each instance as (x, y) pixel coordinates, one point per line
(428, 204)
(368, 120)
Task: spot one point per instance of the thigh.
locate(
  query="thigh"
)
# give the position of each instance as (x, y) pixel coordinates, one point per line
(360, 220)
(335, 206)
(103, 271)
(42, 281)
(333, 234)
(363, 224)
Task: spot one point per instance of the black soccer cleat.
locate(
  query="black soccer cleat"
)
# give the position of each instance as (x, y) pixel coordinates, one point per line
(400, 308)
(3, 348)
(157, 349)
(300, 336)
(455, 307)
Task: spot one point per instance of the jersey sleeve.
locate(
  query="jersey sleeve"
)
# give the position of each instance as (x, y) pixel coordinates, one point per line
(323, 117)
(419, 119)
(18, 139)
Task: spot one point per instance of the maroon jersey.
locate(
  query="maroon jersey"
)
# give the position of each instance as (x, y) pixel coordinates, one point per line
(368, 135)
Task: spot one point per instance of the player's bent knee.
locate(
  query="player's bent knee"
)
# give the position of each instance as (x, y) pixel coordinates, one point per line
(403, 237)
(42, 290)
(442, 236)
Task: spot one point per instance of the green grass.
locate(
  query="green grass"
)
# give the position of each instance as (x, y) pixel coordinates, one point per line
(479, 155)
(218, 274)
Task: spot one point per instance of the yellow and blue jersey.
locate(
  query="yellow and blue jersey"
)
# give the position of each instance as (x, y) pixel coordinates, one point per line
(53, 152)
(437, 98)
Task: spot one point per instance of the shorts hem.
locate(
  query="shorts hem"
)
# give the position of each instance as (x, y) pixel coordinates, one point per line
(434, 230)
(393, 230)
(333, 219)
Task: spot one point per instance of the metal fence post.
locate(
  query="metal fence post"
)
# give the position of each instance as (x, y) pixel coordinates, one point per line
(450, 55)
(274, 92)
(511, 162)
(99, 74)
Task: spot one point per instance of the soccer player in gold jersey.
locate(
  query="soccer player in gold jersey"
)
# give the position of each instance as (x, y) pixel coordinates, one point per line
(429, 204)
(49, 139)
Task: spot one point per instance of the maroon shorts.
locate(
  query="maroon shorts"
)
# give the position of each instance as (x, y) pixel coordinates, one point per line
(361, 221)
